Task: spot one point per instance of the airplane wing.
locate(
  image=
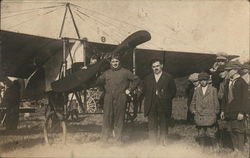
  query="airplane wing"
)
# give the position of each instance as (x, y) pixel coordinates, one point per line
(178, 64)
(24, 55)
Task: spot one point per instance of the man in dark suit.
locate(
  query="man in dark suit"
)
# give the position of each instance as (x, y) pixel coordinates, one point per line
(159, 89)
(235, 105)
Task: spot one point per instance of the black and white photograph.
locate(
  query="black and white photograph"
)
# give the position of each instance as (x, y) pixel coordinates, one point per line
(125, 78)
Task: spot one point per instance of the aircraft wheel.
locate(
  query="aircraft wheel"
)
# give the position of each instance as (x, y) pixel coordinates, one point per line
(54, 128)
(131, 111)
(91, 105)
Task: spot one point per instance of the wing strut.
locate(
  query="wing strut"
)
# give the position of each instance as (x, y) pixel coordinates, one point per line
(73, 20)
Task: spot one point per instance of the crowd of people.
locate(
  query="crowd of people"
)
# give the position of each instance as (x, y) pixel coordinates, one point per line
(218, 95)
(218, 102)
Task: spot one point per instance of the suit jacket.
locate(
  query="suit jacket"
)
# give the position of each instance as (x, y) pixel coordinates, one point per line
(240, 102)
(166, 88)
(205, 106)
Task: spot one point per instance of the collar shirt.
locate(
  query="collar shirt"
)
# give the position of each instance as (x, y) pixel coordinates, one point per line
(157, 76)
(204, 89)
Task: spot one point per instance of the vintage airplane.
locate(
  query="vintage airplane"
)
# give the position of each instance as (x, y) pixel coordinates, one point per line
(42, 62)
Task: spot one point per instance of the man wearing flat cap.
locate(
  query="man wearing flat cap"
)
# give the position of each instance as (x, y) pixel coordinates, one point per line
(214, 71)
(234, 105)
(205, 106)
(118, 83)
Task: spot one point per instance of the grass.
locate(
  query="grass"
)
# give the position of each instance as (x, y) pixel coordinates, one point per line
(83, 140)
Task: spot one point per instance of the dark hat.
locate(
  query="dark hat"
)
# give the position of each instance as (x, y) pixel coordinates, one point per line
(233, 65)
(203, 76)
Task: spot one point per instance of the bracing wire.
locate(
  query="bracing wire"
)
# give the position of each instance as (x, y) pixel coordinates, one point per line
(31, 9)
(28, 12)
(152, 44)
(105, 25)
(109, 17)
(103, 21)
(120, 28)
(36, 1)
(101, 29)
(133, 25)
(81, 18)
(108, 23)
(30, 19)
(109, 35)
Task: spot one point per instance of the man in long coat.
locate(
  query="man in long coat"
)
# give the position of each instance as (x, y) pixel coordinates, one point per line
(158, 89)
(235, 104)
(118, 83)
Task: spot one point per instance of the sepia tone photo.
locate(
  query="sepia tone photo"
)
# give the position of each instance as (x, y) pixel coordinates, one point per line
(125, 78)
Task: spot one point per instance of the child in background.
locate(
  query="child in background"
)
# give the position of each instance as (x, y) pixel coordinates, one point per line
(205, 107)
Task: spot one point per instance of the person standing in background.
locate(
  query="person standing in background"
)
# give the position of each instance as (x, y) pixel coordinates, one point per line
(11, 100)
(193, 84)
(220, 62)
(234, 105)
(205, 107)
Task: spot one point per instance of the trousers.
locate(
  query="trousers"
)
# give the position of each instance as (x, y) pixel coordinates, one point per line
(157, 123)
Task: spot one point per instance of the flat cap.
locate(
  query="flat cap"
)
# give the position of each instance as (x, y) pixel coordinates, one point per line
(203, 76)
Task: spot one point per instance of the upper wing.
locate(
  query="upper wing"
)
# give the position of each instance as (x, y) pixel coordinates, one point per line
(25, 55)
(179, 64)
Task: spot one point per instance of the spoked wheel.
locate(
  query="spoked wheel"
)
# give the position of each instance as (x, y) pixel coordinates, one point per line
(91, 105)
(54, 128)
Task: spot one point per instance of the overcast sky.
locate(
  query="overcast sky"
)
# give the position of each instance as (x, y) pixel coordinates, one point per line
(207, 26)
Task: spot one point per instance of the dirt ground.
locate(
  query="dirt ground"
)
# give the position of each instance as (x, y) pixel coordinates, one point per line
(83, 140)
